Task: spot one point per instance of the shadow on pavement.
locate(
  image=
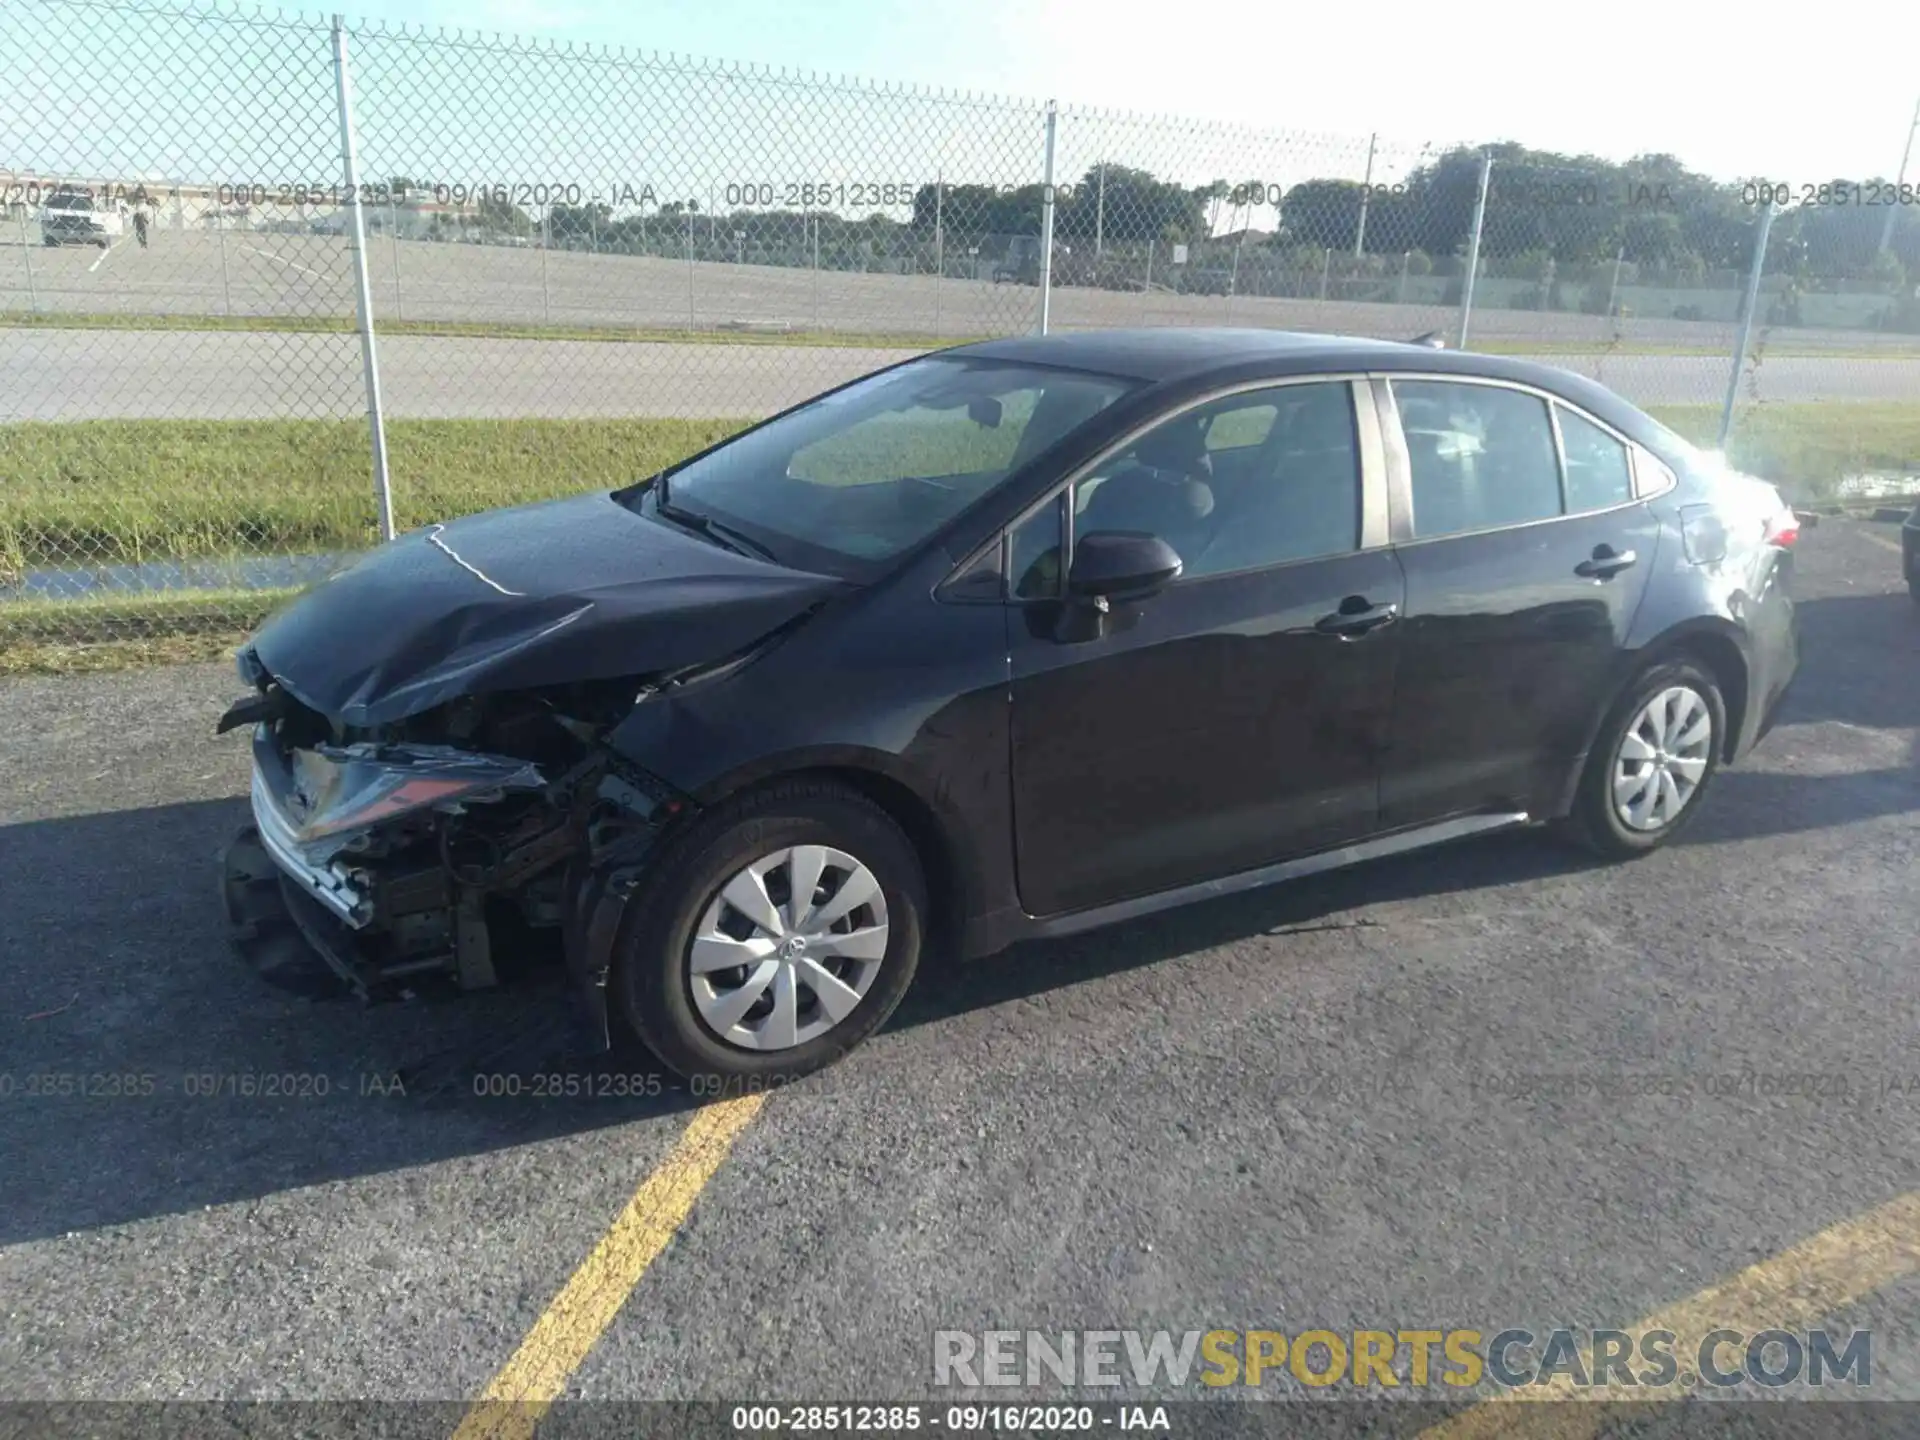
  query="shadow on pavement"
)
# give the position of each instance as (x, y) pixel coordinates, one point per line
(146, 1070)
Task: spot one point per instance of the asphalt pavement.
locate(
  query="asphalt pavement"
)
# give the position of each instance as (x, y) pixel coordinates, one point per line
(246, 273)
(1338, 1104)
(80, 374)
(209, 375)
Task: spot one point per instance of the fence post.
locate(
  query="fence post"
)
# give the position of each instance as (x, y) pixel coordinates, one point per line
(1746, 321)
(393, 235)
(1906, 154)
(939, 244)
(1613, 290)
(1046, 224)
(226, 289)
(546, 244)
(692, 323)
(1473, 248)
(363, 286)
(26, 258)
(1100, 218)
(1366, 191)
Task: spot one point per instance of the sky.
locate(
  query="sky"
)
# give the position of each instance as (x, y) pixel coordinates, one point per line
(1795, 95)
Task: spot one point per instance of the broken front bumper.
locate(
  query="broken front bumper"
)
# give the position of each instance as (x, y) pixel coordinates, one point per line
(318, 810)
(362, 857)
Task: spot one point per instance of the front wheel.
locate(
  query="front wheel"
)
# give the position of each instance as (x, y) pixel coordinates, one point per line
(779, 932)
(1656, 752)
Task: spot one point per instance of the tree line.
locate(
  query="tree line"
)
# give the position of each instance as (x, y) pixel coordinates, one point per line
(1564, 212)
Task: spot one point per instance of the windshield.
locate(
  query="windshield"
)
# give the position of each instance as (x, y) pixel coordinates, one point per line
(860, 475)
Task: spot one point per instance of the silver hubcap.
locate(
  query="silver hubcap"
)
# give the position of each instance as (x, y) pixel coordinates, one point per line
(1662, 759)
(788, 947)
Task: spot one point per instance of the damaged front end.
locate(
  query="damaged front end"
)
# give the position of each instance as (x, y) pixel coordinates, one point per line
(408, 853)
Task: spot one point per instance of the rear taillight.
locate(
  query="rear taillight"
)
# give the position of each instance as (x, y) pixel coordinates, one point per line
(1783, 528)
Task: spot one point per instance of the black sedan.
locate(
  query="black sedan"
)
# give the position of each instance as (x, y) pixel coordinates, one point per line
(1010, 640)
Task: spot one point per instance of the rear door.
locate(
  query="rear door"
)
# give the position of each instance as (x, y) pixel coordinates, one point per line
(1526, 554)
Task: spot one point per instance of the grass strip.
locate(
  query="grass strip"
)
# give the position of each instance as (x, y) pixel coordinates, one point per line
(121, 492)
(474, 329)
(1777, 345)
(1807, 449)
(102, 492)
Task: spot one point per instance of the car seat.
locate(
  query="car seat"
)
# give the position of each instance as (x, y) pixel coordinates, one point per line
(1163, 488)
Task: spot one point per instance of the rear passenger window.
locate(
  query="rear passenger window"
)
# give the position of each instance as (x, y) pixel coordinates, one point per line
(1598, 471)
(1482, 456)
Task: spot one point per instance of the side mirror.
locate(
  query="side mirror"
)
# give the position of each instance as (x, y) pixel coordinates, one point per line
(1121, 565)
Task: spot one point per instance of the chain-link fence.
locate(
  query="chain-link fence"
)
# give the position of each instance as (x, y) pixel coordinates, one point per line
(267, 280)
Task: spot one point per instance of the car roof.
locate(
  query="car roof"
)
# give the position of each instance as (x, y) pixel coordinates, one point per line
(1187, 355)
(1178, 352)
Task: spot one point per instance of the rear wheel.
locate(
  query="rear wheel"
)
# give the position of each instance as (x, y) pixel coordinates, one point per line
(780, 931)
(1651, 763)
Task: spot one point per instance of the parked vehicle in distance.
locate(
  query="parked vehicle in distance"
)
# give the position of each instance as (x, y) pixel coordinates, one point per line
(1011, 640)
(1019, 262)
(76, 215)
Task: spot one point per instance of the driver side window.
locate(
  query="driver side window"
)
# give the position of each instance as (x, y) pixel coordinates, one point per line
(1251, 480)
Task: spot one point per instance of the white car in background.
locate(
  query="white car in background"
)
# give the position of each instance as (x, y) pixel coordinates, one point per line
(74, 214)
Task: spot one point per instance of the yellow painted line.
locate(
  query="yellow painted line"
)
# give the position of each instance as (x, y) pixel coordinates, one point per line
(578, 1316)
(1795, 1289)
(1893, 545)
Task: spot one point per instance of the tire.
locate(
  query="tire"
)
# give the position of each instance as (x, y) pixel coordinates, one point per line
(1595, 822)
(1913, 588)
(671, 1008)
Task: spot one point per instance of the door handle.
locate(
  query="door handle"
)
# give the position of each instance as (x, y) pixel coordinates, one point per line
(1356, 616)
(1606, 563)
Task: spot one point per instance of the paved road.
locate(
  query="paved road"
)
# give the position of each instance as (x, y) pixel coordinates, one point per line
(71, 375)
(242, 273)
(1285, 1109)
(81, 374)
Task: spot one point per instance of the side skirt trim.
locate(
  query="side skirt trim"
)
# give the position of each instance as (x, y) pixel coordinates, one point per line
(1395, 844)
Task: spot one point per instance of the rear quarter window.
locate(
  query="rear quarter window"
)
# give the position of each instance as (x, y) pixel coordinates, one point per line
(1599, 467)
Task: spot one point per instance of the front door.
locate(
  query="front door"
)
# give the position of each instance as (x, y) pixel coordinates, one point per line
(1237, 718)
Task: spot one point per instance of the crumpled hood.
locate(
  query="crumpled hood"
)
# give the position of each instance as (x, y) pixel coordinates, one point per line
(565, 590)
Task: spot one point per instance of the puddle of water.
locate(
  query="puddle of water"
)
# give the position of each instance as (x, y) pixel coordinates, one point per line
(240, 572)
